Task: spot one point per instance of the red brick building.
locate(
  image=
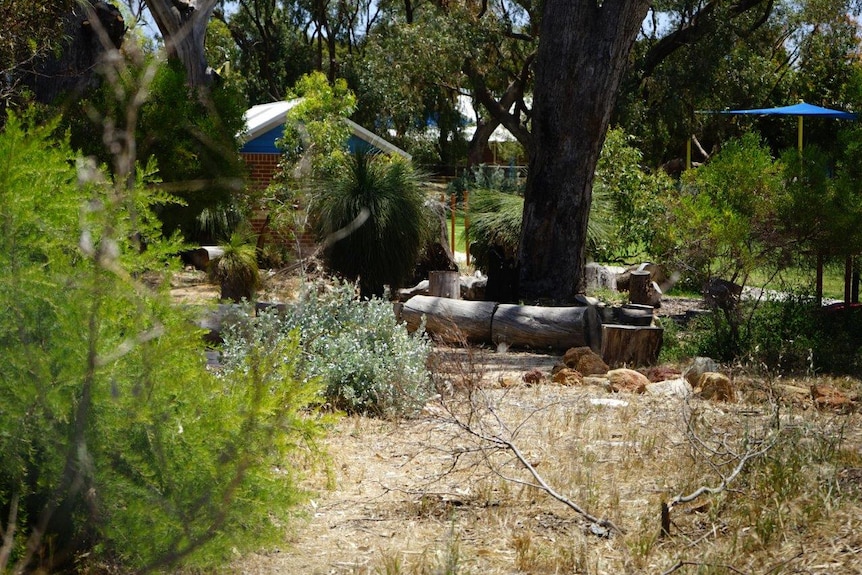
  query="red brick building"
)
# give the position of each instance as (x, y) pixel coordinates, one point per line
(264, 126)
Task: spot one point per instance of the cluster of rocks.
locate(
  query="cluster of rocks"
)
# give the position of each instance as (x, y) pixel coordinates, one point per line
(702, 379)
(582, 366)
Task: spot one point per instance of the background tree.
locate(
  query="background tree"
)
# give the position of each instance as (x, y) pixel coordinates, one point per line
(50, 51)
(273, 52)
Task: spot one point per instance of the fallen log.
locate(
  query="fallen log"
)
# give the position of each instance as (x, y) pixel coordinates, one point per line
(450, 319)
(515, 325)
(547, 327)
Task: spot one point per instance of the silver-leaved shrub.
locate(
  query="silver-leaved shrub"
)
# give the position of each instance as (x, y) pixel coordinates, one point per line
(367, 361)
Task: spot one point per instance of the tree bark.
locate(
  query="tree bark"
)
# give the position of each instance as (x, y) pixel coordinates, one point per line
(639, 287)
(444, 284)
(547, 327)
(630, 345)
(89, 31)
(450, 319)
(582, 55)
(183, 25)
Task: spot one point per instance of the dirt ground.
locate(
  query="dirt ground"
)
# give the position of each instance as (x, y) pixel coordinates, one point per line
(416, 497)
(431, 495)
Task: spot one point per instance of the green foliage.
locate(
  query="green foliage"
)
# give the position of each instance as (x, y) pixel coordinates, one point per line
(406, 78)
(236, 270)
(495, 223)
(367, 361)
(626, 200)
(191, 135)
(315, 126)
(819, 209)
(274, 52)
(370, 212)
(791, 336)
(716, 225)
(118, 444)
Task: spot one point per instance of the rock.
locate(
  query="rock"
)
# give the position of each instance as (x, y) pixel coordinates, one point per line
(660, 373)
(608, 402)
(568, 376)
(592, 365)
(473, 287)
(678, 387)
(574, 354)
(699, 366)
(830, 398)
(627, 380)
(716, 387)
(533, 376)
(585, 360)
(598, 276)
(602, 382)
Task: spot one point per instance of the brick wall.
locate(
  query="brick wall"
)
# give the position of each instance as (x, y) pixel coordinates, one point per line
(261, 168)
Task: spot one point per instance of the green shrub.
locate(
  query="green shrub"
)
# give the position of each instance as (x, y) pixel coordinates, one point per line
(720, 222)
(794, 335)
(118, 444)
(367, 361)
(370, 213)
(236, 270)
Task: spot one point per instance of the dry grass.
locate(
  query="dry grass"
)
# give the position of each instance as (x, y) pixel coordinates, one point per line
(424, 497)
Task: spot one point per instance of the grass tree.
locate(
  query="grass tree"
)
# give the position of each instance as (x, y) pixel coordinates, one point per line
(236, 269)
(370, 214)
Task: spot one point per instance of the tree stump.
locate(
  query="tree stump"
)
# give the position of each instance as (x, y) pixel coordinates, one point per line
(450, 319)
(631, 345)
(444, 284)
(547, 327)
(639, 287)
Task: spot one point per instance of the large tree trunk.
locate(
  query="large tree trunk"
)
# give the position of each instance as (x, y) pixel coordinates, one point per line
(183, 24)
(90, 30)
(583, 52)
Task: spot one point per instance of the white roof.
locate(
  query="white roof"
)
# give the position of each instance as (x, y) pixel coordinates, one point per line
(262, 118)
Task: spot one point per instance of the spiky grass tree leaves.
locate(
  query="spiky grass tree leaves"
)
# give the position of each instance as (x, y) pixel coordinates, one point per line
(236, 269)
(371, 216)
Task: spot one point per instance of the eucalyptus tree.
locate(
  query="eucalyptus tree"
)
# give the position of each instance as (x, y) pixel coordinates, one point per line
(183, 25)
(422, 56)
(49, 50)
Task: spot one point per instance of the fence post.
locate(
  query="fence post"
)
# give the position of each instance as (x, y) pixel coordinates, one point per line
(467, 225)
(452, 241)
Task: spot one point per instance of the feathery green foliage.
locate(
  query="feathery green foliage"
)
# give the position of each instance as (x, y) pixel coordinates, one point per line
(623, 198)
(371, 214)
(118, 444)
